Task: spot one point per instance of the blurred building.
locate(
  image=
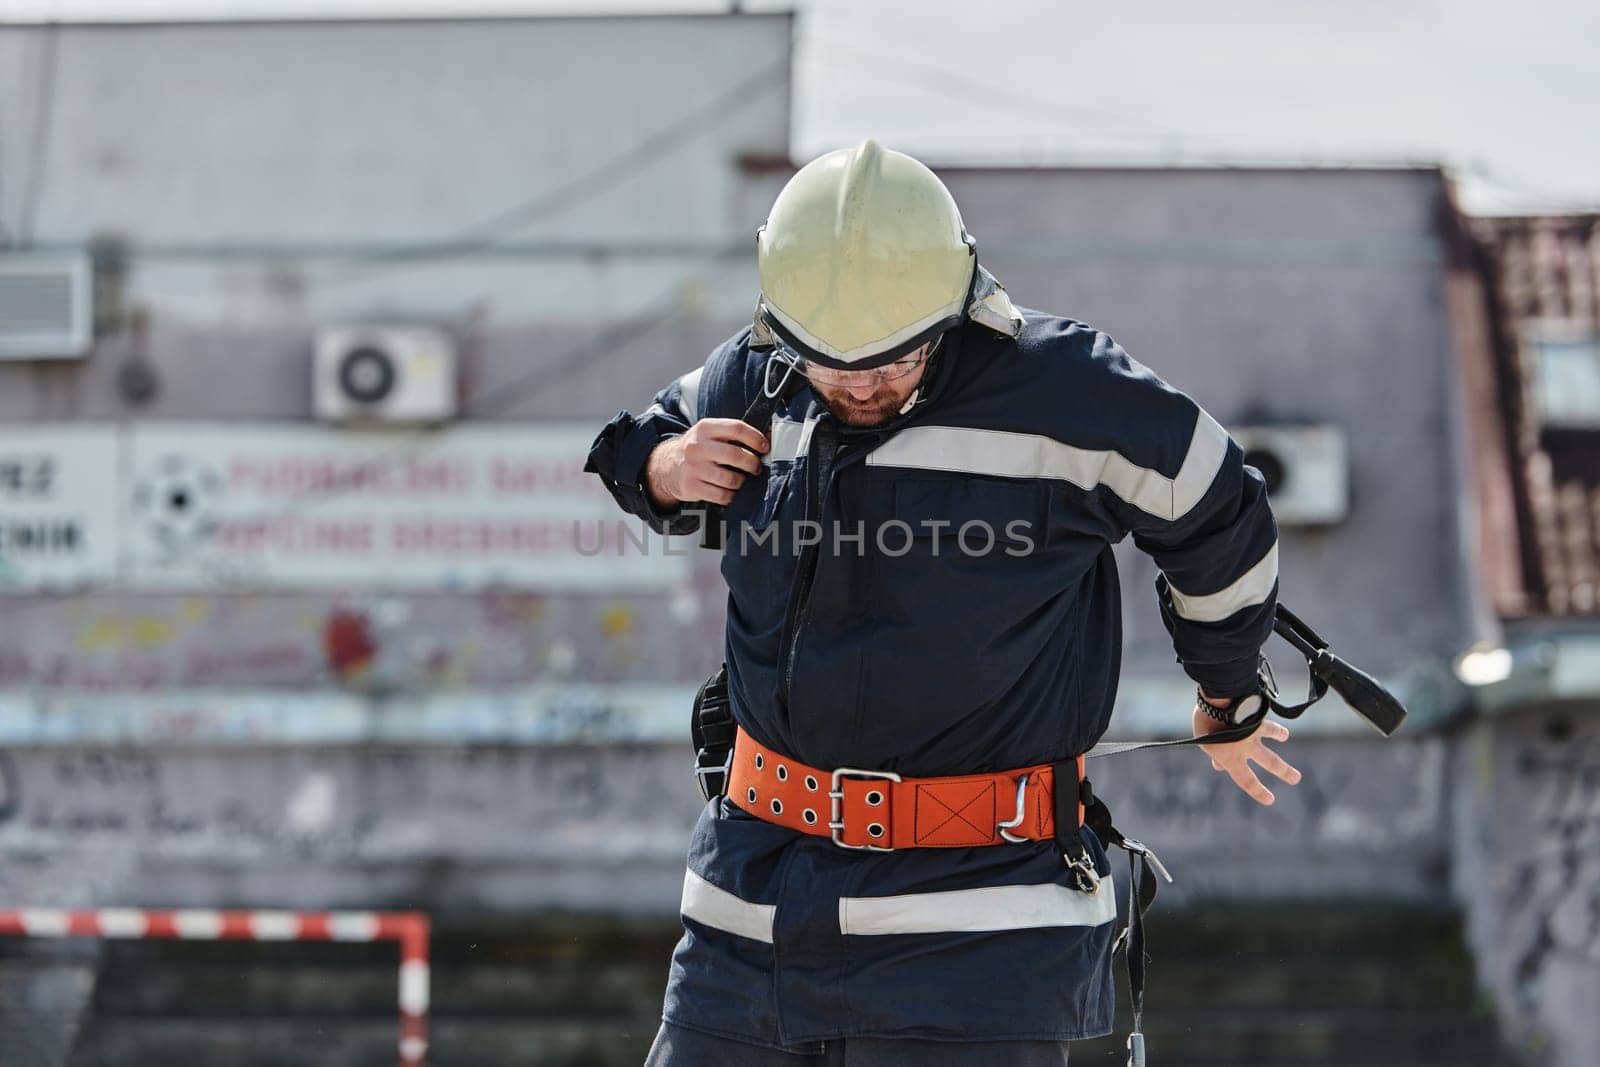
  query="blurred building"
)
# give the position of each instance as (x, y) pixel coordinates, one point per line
(1526, 748)
(270, 611)
(252, 654)
(255, 652)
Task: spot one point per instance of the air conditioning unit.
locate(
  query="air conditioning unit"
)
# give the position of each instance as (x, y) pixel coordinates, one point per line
(45, 305)
(384, 374)
(1306, 469)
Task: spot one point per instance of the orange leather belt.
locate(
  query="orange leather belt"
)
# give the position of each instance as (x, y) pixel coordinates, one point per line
(883, 811)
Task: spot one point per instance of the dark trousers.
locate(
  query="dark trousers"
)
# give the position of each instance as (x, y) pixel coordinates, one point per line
(679, 1047)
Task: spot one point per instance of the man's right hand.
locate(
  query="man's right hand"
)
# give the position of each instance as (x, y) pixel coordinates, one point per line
(709, 462)
(1233, 758)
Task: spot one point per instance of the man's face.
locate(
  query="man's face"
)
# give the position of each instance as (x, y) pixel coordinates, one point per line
(864, 399)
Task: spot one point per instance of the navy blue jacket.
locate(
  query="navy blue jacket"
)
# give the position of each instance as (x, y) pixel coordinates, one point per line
(960, 613)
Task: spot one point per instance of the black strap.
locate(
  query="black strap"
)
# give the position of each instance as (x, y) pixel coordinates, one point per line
(1365, 696)
(1141, 894)
(1231, 733)
(1070, 791)
(1142, 888)
(1268, 692)
(712, 729)
(780, 380)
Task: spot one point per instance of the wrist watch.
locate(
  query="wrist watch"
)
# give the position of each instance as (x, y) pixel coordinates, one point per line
(1235, 711)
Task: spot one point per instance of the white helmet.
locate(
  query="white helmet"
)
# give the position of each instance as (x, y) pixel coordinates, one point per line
(864, 258)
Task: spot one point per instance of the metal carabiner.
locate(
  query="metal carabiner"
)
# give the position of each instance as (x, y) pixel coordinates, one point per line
(1139, 848)
(1083, 873)
(790, 367)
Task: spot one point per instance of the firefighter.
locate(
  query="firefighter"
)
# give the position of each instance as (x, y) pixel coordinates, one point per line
(924, 636)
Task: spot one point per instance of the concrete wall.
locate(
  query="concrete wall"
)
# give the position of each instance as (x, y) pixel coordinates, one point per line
(479, 830)
(272, 172)
(1274, 297)
(1525, 844)
(465, 832)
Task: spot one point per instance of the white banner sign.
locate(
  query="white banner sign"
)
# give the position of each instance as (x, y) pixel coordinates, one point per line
(58, 505)
(176, 505)
(285, 505)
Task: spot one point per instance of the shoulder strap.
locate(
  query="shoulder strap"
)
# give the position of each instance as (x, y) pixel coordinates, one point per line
(776, 390)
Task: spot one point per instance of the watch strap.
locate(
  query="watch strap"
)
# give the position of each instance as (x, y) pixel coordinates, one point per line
(1231, 714)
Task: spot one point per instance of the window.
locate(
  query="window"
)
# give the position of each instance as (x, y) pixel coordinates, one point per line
(1568, 382)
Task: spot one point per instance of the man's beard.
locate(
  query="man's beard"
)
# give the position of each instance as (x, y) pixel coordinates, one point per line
(863, 415)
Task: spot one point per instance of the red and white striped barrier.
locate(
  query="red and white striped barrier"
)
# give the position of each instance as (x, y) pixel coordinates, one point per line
(410, 928)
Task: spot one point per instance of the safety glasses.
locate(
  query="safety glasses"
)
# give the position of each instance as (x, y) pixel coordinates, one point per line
(847, 379)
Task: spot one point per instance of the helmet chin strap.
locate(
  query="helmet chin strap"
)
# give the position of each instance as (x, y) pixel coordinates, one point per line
(916, 396)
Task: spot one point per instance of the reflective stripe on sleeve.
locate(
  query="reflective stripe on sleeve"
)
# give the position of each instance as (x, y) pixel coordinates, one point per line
(1251, 587)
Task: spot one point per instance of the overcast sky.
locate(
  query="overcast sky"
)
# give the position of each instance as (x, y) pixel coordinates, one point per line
(1504, 93)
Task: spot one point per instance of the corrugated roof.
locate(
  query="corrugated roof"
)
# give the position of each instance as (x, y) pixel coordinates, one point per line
(1544, 275)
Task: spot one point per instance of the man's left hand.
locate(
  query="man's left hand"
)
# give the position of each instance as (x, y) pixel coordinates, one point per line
(1235, 757)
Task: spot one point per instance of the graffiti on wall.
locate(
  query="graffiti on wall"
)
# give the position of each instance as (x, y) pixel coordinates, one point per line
(10, 793)
(1367, 818)
(383, 640)
(1550, 896)
(489, 802)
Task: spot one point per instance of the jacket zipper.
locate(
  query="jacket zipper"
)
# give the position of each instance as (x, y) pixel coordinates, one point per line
(827, 441)
(825, 445)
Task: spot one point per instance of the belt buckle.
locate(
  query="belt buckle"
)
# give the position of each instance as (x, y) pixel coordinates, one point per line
(836, 806)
